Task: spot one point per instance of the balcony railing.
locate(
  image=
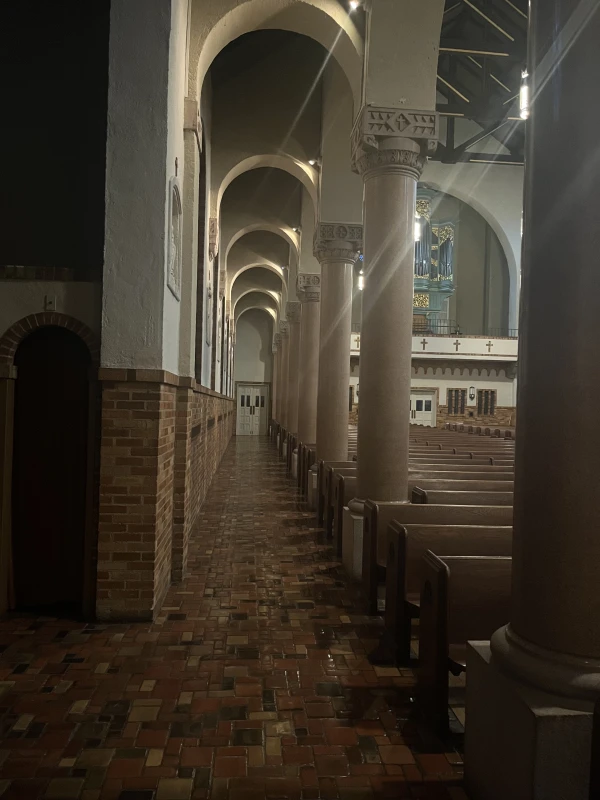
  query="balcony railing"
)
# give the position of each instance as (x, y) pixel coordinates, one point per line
(448, 327)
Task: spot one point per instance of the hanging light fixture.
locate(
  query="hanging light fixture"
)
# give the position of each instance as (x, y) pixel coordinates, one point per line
(524, 95)
(354, 4)
(361, 280)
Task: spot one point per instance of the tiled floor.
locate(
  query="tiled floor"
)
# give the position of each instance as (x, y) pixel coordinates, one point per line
(253, 683)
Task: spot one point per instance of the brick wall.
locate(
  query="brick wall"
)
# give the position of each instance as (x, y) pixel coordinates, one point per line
(162, 441)
(505, 416)
(205, 425)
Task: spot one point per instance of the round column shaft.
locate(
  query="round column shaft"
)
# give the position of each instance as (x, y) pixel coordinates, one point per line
(275, 377)
(553, 640)
(337, 254)
(283, 379)
(294, 310)
(390, 176)
(309, 357)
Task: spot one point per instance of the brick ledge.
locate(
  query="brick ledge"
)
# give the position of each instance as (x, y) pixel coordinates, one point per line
(115, 375)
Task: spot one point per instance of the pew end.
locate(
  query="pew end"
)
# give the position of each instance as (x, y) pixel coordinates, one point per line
(462, 598)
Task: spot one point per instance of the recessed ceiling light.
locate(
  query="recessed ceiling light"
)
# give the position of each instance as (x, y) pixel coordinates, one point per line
(312, 162)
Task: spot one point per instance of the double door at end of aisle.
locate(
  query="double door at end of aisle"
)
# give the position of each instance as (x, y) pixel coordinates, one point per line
(252, 410)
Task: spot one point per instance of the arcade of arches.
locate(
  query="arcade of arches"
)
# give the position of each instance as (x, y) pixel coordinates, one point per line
(263, 340)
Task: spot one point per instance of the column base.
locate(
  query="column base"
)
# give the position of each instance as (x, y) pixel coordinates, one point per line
(521, 742)
(352, 543)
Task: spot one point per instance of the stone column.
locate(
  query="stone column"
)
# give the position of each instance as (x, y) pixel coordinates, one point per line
(545, 665)
(309, 292)
(337, 248)
(284, 332)
(293, 312)
(389, 149)
(556, 610)
(275, 377)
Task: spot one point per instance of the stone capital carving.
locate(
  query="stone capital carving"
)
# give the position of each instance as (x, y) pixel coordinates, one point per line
(309, 287)
(293, 310)
(338, 241)
(393, 140)
(192, 120)
(276, 342)
(284, 329)
(213, 238)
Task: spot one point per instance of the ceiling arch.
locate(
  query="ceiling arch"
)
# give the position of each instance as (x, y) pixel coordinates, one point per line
(283, 231)
(304, 173)
(215, 25)
(258, 290)
(267, 310)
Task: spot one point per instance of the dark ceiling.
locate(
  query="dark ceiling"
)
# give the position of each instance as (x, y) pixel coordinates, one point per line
(483, 50)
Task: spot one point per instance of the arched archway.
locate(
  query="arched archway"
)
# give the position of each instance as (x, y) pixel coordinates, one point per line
(44, 386)
(306, 174)
(52, 552)
(325, 21)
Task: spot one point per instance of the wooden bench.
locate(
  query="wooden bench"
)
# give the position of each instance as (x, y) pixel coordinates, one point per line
(462, 598)
(407, 544)
(344, 490)
(329, 494)
(322, 465)
(377, 517)
(423, 496)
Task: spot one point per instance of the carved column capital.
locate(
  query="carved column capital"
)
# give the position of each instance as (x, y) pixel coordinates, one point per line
(309, 287)
(276, 342)
(338, 241)
(293, 310)
(392, 140)
(213, 238)
(284, 329)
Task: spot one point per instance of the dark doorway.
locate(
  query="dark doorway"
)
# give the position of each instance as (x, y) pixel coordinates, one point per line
(50, 471)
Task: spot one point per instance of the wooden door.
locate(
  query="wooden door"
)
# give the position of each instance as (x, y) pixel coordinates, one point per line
(244, 411)
(422, 409)
(50, 471)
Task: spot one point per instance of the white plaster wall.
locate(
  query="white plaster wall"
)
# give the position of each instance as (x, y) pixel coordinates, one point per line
(253, 356)
(175, 151)
(496, 192)
(308, 262)
(80, 300)
(136, 180)
(209, 266)
(454, 379)
(341, 194)
(403, 38)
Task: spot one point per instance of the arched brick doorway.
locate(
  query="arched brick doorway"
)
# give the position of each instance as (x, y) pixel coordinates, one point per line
(50, 536)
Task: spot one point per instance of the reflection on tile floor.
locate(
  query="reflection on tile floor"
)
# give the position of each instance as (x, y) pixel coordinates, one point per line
(254, 682)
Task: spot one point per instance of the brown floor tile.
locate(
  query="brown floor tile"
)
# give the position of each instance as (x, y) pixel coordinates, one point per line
(254, 682)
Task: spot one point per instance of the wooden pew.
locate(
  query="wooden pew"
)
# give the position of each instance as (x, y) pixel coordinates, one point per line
(424, 496)
(321, 485)
(462, 598)
(329, 494)
(344, 490)
(461, 475)
(377, 517)
(309, 456)
(407, 544)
